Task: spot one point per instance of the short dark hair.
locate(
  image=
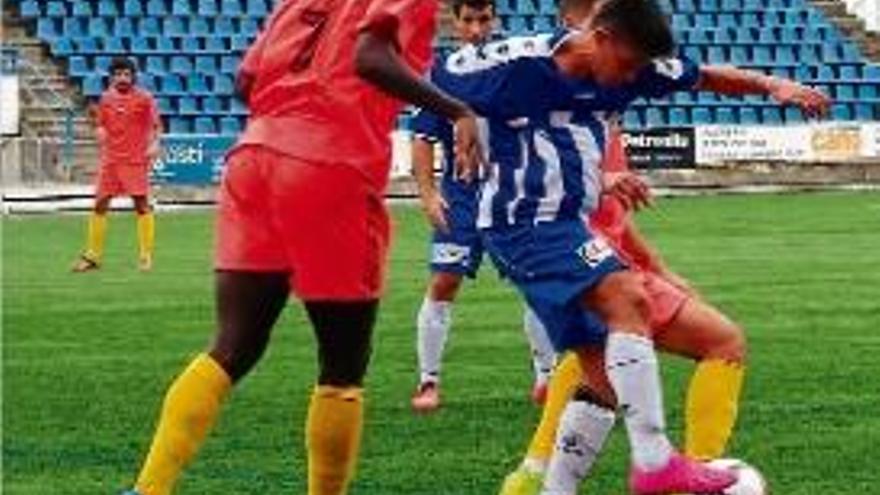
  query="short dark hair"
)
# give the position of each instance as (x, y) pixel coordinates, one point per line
(121, 63)
(642, 22)
(474, 4)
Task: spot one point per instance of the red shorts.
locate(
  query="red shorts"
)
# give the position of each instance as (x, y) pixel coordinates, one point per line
(322, 223)
(666, 300)
(123, 180)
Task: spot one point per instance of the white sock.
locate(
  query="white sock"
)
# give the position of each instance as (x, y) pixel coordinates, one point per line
(583, 429)
(543, 354)
(634, 374)
(433, 324)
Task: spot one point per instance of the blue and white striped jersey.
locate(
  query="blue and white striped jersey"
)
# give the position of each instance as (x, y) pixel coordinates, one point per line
(544, 132)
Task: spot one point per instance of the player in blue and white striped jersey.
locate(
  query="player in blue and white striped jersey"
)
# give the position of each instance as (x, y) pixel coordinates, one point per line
(545, 101)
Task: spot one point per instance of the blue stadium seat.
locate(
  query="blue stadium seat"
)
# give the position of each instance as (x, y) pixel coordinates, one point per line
(181, 8)
(166, 45)
(685, 6)
(851, 52)
(789, 35)
(632, 120)
(229, 64)
(704, 21)
(206, 64)
(156, 65)
(723, 36)
(229, 126)
(654, 117)
(156, 8)
(678, 117)
(231, 7)
(725, 115)
(29, 9)
(73, 27)
(731, 5)
(750, 20)
(761, 55)
(767, 36)
(503, 8)
(806, 54)
(107, 8)
(205, 125)
(147, 81)
(865, 111)
(240, 43)
(190, 44)
(544, 24)
(165, 106)
(771, 115)
(200, 26)
(141, 45)
(82, 8)
(701, 115)
(62, 47)
(785, 55)
(249, 27)
(709, 5)
(223, 26)
(102, 63)
(114, 45)
(177, 125)
(187, 105)
(78, 66)
(216, 44)
(745, 35)
(748, 116)
(844, 92)
(793, 115)
(56, 9)
(223, 85)
(180, 64)
(830, 54)
(256, 8)
(698, 36)
(869, 92)
(212, 105)
(173, 26)
(197, 84)
(841, 111)
(681, 22)
(717, 55)
(848, 73)
(123, 26)
(517, 24)
(98, 27)
(171, 85)
(93, 85)
(149, 26)
(236, 107)
(208, 8)
(132, 8)
(47, 29)
(871, 72)
(87, 45)
(525, 7)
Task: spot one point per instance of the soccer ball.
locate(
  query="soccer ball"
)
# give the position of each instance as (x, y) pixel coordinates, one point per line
(750, 481)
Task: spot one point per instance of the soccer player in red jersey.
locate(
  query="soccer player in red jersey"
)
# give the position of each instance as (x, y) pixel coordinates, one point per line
(128, 130)
(301, 210)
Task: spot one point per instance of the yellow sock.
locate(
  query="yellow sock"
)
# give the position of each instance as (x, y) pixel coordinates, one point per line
(190, 408)
(712, 404)
(146, 231)
(333, 438)
(565, 380)
(97, 232)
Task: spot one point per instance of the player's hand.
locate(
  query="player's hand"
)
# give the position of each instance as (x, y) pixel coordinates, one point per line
(812, 102)
(435, 206)
(468, 151)
(629, 188)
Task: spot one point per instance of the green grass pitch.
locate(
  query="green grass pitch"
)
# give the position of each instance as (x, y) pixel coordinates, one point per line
(86, 358)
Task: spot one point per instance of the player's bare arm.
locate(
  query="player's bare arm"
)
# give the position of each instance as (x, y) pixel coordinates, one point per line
(377, 61)
(731, 80)
(433, 203)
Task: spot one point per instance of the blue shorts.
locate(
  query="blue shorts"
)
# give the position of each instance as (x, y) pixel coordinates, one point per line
(460, 250)
(552, 265)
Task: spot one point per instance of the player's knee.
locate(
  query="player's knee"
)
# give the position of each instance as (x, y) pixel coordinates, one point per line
(732, 347)
(621, 299)
(102, 205)
(237, 362)
(344, 334)
(444, 286)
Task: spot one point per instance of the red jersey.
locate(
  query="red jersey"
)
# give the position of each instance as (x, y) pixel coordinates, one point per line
(306, 99)
(129, 121)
